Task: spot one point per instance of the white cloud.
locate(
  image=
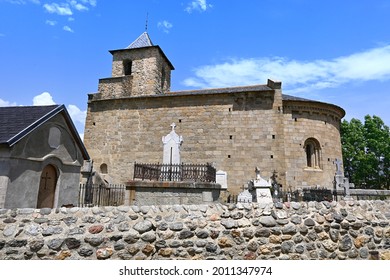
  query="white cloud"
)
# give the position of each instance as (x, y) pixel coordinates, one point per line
(68, 29)
(62, 9)
(78, 117)
(198, 5)
(77, 114)
(78, 6)
(51, 22)
(4, 103)
(165, 26)
(297, 76)
(90, 2)
(44, 98)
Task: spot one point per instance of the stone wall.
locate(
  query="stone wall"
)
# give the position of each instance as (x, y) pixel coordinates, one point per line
(310, 120)
(236, 130)
(343, 230)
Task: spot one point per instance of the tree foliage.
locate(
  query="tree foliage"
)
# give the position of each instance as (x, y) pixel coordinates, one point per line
(366, 152)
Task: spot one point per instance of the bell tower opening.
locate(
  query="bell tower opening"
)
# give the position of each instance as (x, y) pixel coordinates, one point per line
(127, 67)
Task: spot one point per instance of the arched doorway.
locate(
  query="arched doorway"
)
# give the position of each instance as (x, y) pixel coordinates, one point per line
(47, 187)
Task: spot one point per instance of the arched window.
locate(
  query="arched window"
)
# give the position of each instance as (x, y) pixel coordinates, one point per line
(103, 168)
(313, 153)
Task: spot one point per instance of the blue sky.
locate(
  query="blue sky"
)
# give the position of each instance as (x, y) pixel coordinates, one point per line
(332, 51)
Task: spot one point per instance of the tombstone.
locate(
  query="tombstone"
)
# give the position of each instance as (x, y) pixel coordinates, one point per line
(221, 178)
(245, 196)
(338, 166)
(262, 188)
(347, 191)
(172, 143)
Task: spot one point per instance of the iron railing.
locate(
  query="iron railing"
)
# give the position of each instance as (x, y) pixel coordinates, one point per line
(175, 172)
(101, 195)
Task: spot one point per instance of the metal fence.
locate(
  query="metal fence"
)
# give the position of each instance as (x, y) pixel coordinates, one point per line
(175, 172)
(101, 195)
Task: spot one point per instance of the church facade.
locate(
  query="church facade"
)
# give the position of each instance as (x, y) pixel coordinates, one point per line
(236, 129)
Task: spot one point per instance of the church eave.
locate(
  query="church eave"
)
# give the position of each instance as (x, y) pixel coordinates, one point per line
(300, 102)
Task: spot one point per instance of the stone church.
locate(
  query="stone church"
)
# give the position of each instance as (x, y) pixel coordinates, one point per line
(236, 129)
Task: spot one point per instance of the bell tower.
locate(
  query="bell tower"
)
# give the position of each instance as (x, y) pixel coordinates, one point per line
(141, 69)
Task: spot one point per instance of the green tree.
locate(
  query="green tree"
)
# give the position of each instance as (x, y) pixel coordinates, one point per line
(366, 152)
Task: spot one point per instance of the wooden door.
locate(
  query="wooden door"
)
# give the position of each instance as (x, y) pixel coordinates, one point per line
(47, 187)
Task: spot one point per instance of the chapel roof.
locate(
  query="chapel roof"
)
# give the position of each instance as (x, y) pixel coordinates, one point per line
(18, 121)
(15, 120)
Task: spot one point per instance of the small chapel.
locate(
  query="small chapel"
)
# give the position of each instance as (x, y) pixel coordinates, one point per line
(296, 140)
(41, 155)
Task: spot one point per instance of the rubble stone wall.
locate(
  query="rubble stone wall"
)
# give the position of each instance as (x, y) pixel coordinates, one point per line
(313, 230)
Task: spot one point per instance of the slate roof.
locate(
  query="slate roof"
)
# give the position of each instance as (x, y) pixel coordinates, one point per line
(294, 98)
(17, 122)
(142, 41)
(223, 90)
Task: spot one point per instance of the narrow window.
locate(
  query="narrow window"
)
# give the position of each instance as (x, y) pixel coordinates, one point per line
(309, 155)
(162, 79)
(127, 65)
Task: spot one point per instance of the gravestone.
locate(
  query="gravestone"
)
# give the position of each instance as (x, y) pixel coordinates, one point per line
(338, 166)
(262, 188)
(342, 183)
(172, 143)
(221, 178)
(245, 196)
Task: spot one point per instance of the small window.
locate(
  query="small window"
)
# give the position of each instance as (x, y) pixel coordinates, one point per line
(127, 65)
(54, 137)
(103, 168)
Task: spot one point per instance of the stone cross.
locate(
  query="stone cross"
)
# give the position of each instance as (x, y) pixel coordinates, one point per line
(45, 178)
(338, 166)
(257, 170)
